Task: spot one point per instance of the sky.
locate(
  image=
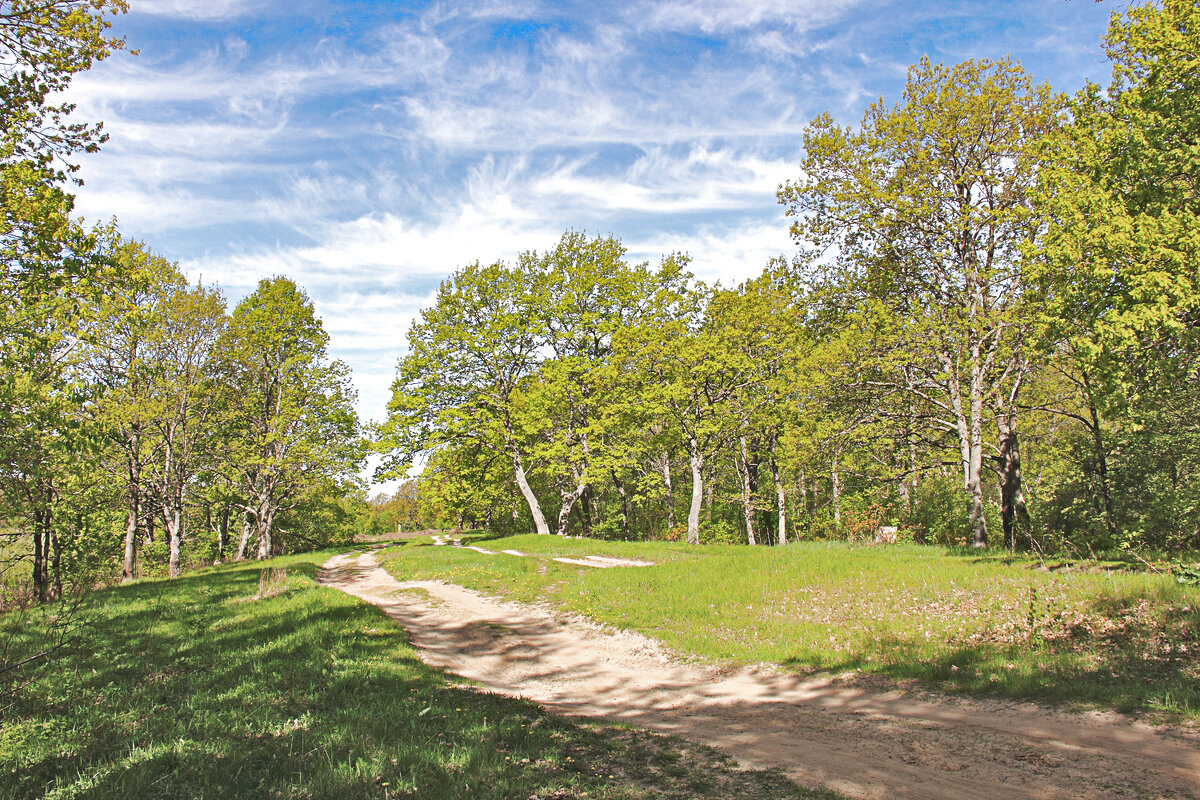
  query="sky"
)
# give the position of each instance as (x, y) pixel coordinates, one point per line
(368, 149)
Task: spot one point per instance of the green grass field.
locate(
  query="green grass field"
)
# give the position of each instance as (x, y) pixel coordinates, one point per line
(242, 683)
(983, 623)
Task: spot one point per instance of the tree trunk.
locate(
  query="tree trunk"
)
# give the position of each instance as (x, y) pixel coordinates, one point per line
(244, 539)
(624, 504)
(535, 509)
(568, 501)
(263, 522)
(173, 522)
(1110, 520)
(133, 514)
(666, 470)
(780, 496)
(56, 585)
(586, 510)
(1014, 517)
(1013, 513)
(696, 460)
(835, 480)
(747, 491)
(41, 552)
(223, 533)
(975, 476)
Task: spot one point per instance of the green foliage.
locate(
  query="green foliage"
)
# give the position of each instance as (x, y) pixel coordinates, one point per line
(286, 407)
(940, 512)
(1186, 575)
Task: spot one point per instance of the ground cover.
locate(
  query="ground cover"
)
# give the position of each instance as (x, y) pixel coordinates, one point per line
(248, 682)
(985, 623)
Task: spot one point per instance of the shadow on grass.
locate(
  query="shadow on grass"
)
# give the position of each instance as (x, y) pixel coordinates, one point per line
(198, 688)
(1124, 657)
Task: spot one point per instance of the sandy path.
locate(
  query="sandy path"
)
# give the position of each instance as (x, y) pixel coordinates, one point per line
(864, 744)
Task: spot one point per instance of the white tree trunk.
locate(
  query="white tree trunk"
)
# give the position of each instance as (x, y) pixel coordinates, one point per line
(697, 464)
(173, 521)
(535, 508)
(244, 539)
(747, 498)
(265, 519)
(568, 502)
(835, 478)
(666, 470)
(131, 529)
(780, 496)
(975, 474)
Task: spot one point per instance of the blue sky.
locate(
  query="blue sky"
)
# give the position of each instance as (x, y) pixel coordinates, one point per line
(367, 149)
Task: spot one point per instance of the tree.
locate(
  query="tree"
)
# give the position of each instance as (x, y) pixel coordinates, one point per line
(1119, 264)
(694, 369)
(123, 361)
(470, 358)
(928, 206)
(762, 319)
(46, 440)
(287, 409)
(43, 43)
(585, 293)
(44, 258)
(186, 402)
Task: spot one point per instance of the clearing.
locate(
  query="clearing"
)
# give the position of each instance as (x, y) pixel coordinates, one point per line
(838, 733)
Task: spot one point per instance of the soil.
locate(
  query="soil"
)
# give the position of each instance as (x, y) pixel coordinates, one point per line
(840, 733)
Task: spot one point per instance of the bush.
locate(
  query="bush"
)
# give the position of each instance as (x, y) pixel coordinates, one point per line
(940, 512)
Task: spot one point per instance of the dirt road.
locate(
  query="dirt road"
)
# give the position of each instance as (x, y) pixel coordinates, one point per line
(864, 744)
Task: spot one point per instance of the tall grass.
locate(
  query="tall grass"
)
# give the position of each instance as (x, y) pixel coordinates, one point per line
(984, 623)
(240, 682)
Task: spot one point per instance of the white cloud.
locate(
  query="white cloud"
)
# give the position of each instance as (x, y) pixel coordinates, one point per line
(718, 16)
(197, 9)
(370, 275)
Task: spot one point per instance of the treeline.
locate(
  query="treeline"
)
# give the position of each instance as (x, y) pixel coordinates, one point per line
(989, 335)
(140, 415)
(141, 424)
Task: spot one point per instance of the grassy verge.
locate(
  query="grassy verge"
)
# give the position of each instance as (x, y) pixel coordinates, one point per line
(252, 683)
(980, 623)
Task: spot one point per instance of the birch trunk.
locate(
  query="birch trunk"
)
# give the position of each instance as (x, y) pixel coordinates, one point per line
(264, 520)
(173, 522)
(568, 502)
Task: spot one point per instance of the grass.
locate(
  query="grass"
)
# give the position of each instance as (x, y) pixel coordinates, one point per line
(247, 682)
(981, 623)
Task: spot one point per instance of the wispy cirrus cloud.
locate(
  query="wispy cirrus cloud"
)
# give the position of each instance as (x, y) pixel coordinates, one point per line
(199, 9)
(722, 16)
(369, 149)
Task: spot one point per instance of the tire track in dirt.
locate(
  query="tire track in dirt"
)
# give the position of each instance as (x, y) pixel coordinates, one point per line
(863, 743)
